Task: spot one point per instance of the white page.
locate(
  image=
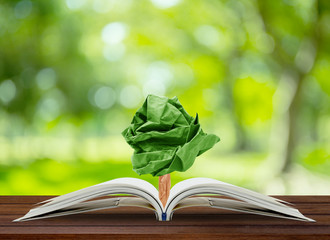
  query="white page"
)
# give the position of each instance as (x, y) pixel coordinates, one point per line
(196, 186)
(229, 204)
(204, 182)
(97, 205)
(74, 202)
(250, 208)
(77, 208)
(132, 186)
(131, 182)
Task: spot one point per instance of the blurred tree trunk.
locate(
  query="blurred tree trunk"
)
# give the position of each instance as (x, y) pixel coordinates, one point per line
(240, 134)
(241, 143)
(292, 120)
(285, 129)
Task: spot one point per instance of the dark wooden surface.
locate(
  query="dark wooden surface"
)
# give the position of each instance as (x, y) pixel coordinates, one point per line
(190, 223)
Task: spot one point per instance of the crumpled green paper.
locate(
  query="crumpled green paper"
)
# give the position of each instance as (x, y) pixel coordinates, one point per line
(165, 137)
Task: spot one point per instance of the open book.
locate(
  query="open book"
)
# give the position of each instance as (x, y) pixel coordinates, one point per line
(240, 199)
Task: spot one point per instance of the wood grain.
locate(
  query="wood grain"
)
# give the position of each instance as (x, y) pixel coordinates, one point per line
(190, 223)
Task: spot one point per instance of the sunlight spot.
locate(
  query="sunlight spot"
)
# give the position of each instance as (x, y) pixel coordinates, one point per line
(75, 4)
(49, 109)
(161, 72)
(105, 97)
(50, 105)
(154, 86)
(114, 33)
(162, 4)
(103, 6)
(114, 52)
(7, 91)
(130, 96)
(157, 79)
(207, 35)
(46, 78)
(23, 9)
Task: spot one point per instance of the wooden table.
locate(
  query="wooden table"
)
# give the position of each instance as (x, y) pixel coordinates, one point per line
(193, 223)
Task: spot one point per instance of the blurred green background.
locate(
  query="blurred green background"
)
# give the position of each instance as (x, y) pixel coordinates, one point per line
(73, 73)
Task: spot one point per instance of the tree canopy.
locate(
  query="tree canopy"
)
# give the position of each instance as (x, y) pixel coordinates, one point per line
(72, 73)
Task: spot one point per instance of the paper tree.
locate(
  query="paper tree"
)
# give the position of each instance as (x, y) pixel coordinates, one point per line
(165, 139)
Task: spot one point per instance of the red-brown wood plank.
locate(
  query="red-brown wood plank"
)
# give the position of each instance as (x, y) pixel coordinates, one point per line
(190, 223)
(146, 219)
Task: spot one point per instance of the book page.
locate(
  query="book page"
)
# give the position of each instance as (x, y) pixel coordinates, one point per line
(250, 208)
(115, 183)
(197, 186)
(76, 208)
(98, 205)
(133, 186)
(232, 205)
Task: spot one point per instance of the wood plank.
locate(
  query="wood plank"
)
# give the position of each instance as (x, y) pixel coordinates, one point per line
(137, 230)
(190, 223)
(24, 199)
(179, 220)
(162, 236)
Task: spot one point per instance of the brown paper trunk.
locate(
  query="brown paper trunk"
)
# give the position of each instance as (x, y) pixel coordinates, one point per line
(164, 187)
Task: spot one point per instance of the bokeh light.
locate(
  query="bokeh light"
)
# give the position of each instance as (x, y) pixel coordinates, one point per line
(73, 73)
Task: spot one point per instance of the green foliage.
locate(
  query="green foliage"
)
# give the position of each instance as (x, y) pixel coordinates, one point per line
(318, 160)
(253, 99)
(72, 73)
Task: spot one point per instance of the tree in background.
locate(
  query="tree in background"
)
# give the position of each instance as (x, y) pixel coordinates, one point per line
(74, 72)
